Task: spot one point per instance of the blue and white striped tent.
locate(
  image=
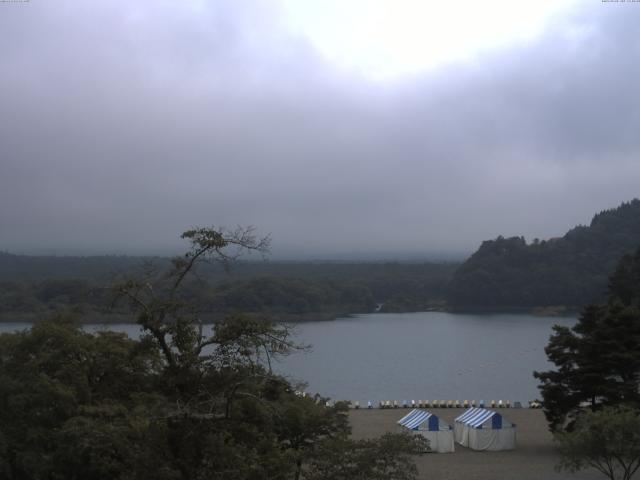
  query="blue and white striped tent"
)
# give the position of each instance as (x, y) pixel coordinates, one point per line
(483, 429)
(439, 433)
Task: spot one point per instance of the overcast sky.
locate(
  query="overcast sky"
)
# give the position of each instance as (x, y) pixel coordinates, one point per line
(365, 128)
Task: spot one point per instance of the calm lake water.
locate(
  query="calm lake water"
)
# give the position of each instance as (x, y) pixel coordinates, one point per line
(427, 355)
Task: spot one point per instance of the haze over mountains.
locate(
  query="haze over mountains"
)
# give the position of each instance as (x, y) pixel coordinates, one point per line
(152, 152)
(126, 122)
(569, 271)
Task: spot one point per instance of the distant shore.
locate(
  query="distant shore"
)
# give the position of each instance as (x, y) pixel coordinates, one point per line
(534, 458)
(99, 318)
(546, 311)
(112, 318)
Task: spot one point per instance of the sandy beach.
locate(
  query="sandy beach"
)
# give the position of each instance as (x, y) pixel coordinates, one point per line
(534, 457)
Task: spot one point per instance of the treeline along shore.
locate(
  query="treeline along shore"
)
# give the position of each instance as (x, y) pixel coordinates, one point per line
(33, 286)
(552, 276)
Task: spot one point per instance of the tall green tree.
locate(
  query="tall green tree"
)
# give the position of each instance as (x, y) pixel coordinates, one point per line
(598, 359)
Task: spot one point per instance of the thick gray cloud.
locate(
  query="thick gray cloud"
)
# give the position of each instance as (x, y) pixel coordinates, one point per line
(124, 123)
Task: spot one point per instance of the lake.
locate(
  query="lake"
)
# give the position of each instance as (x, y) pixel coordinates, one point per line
(426, 355)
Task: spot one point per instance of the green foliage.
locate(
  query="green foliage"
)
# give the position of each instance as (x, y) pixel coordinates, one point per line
(598, 360)
(58, 385)
(386, 458)
(607, 440)
(624, 284)
(273, 295)
(572, 270)
(175, 405)
(76, 405)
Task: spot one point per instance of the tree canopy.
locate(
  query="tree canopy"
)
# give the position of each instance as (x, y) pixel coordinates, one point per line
(571, 270)
(607, 440)
(597, 360)
(175, 404)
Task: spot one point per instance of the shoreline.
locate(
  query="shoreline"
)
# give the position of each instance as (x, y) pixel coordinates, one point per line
(92, 318)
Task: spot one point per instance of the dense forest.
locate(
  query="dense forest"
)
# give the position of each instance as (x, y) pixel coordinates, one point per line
(568, 271)
(31, 287)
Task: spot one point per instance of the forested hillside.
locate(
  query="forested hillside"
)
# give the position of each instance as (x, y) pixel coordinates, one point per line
(33, 287)
(570, 271)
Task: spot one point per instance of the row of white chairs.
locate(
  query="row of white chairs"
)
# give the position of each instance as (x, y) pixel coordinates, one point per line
(441, 404)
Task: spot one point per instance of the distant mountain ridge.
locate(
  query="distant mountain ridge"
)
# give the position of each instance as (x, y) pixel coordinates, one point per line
(101, 267)
(572, 270)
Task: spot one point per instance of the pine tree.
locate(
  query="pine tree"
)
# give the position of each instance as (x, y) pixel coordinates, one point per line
(598, 359)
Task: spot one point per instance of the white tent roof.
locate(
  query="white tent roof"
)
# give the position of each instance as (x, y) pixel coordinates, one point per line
(476, 417)
(415, 418)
